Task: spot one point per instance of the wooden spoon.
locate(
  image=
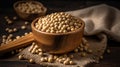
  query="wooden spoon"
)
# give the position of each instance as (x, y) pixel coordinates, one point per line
(49, 42)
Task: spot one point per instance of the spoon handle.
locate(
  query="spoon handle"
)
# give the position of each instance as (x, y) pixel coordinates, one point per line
(19, 43)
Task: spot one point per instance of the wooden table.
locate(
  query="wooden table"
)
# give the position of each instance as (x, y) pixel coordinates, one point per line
(110, 60)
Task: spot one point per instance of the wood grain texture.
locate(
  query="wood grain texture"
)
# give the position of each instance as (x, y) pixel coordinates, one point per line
(18, 43)
(110, 60)
(58, 43)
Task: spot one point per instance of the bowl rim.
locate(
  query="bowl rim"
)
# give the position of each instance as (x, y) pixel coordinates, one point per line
(72, 32)
(16, 3)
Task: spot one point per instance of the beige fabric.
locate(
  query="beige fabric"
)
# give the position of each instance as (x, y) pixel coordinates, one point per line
(100, 21)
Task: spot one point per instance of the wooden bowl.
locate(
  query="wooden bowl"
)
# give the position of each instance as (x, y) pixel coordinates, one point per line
(58, 43)
(29, 16)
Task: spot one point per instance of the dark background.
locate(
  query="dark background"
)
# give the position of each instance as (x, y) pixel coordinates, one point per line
(6, 9)
(64, 4)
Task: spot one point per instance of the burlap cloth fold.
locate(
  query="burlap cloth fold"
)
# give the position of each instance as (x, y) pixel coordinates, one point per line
(100, 21)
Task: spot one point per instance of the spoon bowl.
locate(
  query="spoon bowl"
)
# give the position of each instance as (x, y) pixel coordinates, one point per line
(58, 43)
